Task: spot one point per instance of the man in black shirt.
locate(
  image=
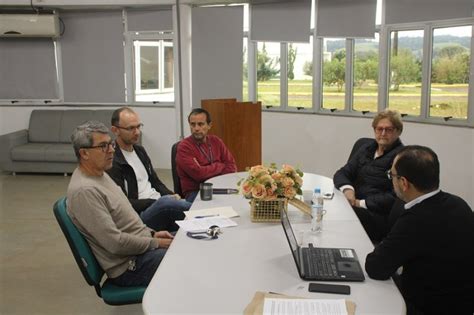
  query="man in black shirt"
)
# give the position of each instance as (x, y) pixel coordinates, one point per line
(433, 240)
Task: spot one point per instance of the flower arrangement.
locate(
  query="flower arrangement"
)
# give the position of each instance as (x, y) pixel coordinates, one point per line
(269, 183)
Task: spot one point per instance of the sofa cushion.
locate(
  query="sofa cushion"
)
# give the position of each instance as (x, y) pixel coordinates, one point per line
(103, 115)
(44, 125)
(75, 117)
(29, 152)
(44, 152)
(60, 152)
(70, 120)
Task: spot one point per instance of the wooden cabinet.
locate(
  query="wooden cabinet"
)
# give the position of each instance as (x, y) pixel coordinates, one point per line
(239, 125)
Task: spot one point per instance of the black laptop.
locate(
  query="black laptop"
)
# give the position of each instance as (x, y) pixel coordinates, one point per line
(322, 264)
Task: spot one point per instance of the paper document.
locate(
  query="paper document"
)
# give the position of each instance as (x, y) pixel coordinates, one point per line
(227, 212)
(304, 307)
(196, 225)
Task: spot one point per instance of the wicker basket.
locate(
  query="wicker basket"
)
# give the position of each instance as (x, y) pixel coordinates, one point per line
(267, 210)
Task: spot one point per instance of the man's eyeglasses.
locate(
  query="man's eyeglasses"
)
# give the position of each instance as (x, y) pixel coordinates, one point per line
(103, 146)
(386, 129)
(391, 175)
(131, 128)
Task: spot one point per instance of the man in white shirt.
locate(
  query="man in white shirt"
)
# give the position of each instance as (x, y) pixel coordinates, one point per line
(133, 171)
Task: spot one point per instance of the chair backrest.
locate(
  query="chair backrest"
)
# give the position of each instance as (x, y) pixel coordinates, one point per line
(174, 171)
(357, 145)
(81, 250)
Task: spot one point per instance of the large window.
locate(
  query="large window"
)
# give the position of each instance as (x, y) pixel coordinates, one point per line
(421, 69)
(406, 55)
(451, 59)
(153, 70)
(365, 72)
(334, 73)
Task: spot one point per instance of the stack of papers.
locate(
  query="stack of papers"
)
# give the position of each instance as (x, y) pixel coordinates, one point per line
(201, 225)
(279, 304)
(201, 220)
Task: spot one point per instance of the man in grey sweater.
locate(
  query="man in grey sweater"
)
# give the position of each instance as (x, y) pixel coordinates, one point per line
(127, 250)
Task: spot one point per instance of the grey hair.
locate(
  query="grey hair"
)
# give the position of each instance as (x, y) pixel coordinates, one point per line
(82, 135)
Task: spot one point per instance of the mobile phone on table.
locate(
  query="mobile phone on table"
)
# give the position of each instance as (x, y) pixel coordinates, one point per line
(329, 288)
(328, 195)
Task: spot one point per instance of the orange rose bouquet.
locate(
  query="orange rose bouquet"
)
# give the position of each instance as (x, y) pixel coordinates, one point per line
(268, 182)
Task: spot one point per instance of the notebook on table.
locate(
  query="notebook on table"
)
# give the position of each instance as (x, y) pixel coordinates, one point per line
(322, 264)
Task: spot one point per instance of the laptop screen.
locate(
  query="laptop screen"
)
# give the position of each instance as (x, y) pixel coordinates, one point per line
(291, 237)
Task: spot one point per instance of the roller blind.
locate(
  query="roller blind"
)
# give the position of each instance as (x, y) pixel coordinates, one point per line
(93, 57)
(288, 21)
(406, 11)
(150, 20)
(217, 43)
(27, 69)
(346, 18)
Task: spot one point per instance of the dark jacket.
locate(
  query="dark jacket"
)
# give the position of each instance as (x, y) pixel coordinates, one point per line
(123, 174)
(368, 176)
(434, 242)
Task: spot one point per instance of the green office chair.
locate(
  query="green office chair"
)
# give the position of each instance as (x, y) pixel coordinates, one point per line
(90, 268)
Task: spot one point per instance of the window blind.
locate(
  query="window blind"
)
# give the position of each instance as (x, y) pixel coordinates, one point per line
(288, 21)
(346, 18)
(93, 57)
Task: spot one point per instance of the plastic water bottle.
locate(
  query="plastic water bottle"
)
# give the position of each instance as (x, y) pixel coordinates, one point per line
(317, 211)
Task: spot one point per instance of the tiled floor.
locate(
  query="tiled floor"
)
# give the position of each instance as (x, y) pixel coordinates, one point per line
(38, 274)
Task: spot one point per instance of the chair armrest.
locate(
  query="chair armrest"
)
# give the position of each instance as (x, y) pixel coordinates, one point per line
(9, 141)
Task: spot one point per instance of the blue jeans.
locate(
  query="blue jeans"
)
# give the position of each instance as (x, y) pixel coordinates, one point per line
(163, 213)
(191, 196)
(145, 268)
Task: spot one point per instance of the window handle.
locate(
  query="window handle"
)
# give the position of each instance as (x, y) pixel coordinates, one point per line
(269, 106)
(365, 112)
(333, 110)
(299, 107)
(447, 118)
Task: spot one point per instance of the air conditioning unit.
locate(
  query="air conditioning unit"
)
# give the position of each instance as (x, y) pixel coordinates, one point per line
(29, 25)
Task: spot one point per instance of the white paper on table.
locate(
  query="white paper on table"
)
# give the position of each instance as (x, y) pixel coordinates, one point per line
(304, 307)
(227, 212)
(195, 225)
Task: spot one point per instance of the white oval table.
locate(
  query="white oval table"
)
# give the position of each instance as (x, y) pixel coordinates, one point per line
(221, 276)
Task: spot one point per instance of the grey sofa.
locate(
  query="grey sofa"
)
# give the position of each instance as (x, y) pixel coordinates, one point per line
(46, 146)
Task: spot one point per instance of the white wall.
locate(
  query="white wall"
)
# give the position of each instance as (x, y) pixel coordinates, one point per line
(321, 144)
(316, 143)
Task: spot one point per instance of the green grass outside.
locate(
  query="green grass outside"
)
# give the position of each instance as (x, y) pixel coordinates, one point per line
(446, 100)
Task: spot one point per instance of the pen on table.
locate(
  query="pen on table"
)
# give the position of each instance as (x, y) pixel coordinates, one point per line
(206, 216)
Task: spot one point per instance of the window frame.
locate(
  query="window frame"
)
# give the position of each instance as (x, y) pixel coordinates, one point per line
(130, 38)
(384, 32)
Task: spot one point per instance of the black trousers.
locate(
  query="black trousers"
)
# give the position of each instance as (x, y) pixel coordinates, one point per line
(376, 226)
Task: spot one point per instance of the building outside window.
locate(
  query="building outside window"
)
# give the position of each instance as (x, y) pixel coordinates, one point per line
(153, 70)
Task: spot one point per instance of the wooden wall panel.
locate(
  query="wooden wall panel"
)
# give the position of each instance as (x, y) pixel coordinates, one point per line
(239, 125)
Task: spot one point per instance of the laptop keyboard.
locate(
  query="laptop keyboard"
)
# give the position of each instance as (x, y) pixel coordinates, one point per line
(320, 262)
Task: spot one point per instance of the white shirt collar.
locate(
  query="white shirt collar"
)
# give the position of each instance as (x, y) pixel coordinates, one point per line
(415, 201)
